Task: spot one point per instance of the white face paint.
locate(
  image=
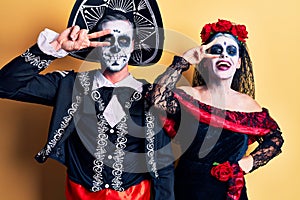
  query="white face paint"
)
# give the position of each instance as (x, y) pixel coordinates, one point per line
(224, 66)
(116, 56)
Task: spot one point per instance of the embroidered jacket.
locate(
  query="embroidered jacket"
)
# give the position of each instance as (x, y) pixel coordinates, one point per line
(115, 157)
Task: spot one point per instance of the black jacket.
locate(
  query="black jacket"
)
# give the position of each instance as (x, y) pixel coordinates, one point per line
(72, 101)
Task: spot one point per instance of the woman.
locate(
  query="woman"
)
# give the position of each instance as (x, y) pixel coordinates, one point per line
(216, 120)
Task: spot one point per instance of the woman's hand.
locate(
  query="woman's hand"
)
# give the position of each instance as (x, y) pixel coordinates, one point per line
(195, 55)
(246, 163)
(74, 38)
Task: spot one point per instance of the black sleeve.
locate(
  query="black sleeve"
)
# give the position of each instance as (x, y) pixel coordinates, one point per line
(269, 147)
(20, 79)
(160, 159)
(160, 94)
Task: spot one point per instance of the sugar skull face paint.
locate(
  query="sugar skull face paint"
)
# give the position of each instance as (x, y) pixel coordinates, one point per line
(116, 56)
(218, 49)
(225, 65)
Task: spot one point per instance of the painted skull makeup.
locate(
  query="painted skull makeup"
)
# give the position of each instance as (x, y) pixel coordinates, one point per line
(224, 46)
(218, 49)
(224, 66)
(116, 56)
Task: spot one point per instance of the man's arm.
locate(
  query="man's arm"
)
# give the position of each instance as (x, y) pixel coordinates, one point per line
(20, 78)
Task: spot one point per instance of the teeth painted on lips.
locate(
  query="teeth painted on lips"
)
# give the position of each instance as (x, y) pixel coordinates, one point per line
(110, 57)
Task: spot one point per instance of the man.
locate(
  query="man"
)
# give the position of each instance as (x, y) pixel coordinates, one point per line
(102, 129)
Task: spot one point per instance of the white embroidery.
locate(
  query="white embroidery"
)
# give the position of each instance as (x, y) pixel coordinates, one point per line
(120, 144)
(59, 132)
(100, 153)
(122, 5)
(96, 96)
(142, 5)
(119, 155)
(35, 60)
(93, 14)
(150, 139)
(84, 81)
(135, 97)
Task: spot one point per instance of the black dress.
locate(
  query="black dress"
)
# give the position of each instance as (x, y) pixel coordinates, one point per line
(208, 135)
(204, 143)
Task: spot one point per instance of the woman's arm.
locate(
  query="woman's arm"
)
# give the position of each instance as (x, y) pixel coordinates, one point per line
(160, 93)
(269, 147)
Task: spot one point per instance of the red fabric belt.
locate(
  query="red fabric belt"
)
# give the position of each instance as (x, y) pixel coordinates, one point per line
(76, 191)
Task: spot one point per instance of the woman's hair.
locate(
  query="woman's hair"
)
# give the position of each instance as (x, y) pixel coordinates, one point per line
(243, 79)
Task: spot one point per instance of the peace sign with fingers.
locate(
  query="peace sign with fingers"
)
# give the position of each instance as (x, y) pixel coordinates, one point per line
(74, 39)
(195, 55)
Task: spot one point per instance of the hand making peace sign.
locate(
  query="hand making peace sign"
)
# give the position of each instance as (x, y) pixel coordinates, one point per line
(196, 54)
(74, 39)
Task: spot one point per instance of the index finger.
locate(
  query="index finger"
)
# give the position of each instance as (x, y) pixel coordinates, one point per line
(207, 46)
(99, 44)
(208, 55)
(99, 34)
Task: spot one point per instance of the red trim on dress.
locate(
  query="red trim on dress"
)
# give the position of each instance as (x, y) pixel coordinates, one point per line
(169, 126)
(254, 123)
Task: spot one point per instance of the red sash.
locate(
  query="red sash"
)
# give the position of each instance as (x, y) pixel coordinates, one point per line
(253, 124)
(76, 191)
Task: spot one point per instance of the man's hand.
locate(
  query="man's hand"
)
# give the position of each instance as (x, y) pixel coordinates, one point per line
(74, 38)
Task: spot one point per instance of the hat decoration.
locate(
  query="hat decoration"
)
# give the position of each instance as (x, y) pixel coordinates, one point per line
(146, 18)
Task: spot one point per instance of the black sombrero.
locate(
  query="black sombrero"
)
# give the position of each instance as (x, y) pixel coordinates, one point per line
(146, 16)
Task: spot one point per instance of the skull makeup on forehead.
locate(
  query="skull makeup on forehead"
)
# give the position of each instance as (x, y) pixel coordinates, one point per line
(116, 56)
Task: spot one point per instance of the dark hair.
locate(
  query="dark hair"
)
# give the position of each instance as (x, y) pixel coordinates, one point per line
(113, 17)
(243, 79)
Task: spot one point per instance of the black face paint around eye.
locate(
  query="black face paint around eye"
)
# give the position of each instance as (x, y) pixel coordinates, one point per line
(231, 50)
(124, 41)
(216, 49)
(108, 38)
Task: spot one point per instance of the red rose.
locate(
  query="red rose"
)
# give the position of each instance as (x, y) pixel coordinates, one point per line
(240, 31)
(222, 26)
(222, 172)
(205, 33)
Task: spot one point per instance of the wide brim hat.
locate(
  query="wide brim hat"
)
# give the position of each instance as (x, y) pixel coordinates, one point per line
(146, 18)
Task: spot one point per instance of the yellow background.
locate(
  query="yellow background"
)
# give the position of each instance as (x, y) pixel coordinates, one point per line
(274, 29)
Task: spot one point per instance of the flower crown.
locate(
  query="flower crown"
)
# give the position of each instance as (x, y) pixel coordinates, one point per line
(224, 26)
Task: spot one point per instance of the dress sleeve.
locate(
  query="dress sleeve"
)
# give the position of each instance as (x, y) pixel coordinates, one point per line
(269, 147)
(161, 94)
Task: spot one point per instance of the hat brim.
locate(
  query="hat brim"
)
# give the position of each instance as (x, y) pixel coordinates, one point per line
(148, 23)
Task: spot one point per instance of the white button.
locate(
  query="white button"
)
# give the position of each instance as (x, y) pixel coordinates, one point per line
(111, 130)
(106, 185)
(109, 156)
